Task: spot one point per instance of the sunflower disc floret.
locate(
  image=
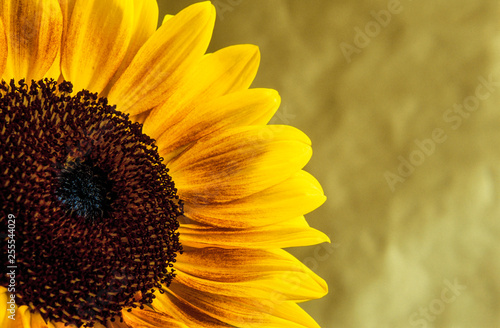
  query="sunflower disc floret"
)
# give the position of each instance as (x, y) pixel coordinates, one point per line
(95, 209)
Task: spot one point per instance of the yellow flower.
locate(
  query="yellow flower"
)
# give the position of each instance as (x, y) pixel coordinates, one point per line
(141, 185)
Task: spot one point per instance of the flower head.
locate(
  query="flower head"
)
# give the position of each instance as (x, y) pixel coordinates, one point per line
(141, 185)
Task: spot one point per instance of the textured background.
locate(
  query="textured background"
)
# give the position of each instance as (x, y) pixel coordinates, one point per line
(414, 221)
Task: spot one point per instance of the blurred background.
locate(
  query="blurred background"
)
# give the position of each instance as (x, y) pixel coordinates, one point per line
(402, 102)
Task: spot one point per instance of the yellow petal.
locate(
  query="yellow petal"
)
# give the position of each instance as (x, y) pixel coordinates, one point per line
(145, 23)
(150, 319)
(140, 118)
(289, 233)
(100, 325)
(236, 311)
(66, 9)
(247, 107)
(238, 163)
(166, 18)
(228, 70)
(186, 312)
(34, 31)
(156, 70)
(25, 315)
(291, 312)
(242, 266)
(283, 286)
(97, 39)
(296, 196)
(54, 71)
(37, 320)
(19, 319)
(3, 49)
(116, 324)
(4, 297)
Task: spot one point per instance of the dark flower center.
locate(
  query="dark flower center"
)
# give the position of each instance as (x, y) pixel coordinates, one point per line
(95, 209)
(85, 189)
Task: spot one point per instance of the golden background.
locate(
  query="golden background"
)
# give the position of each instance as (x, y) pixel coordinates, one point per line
(401, 101)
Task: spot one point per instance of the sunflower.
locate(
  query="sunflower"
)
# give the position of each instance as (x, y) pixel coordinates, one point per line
(141, 185)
